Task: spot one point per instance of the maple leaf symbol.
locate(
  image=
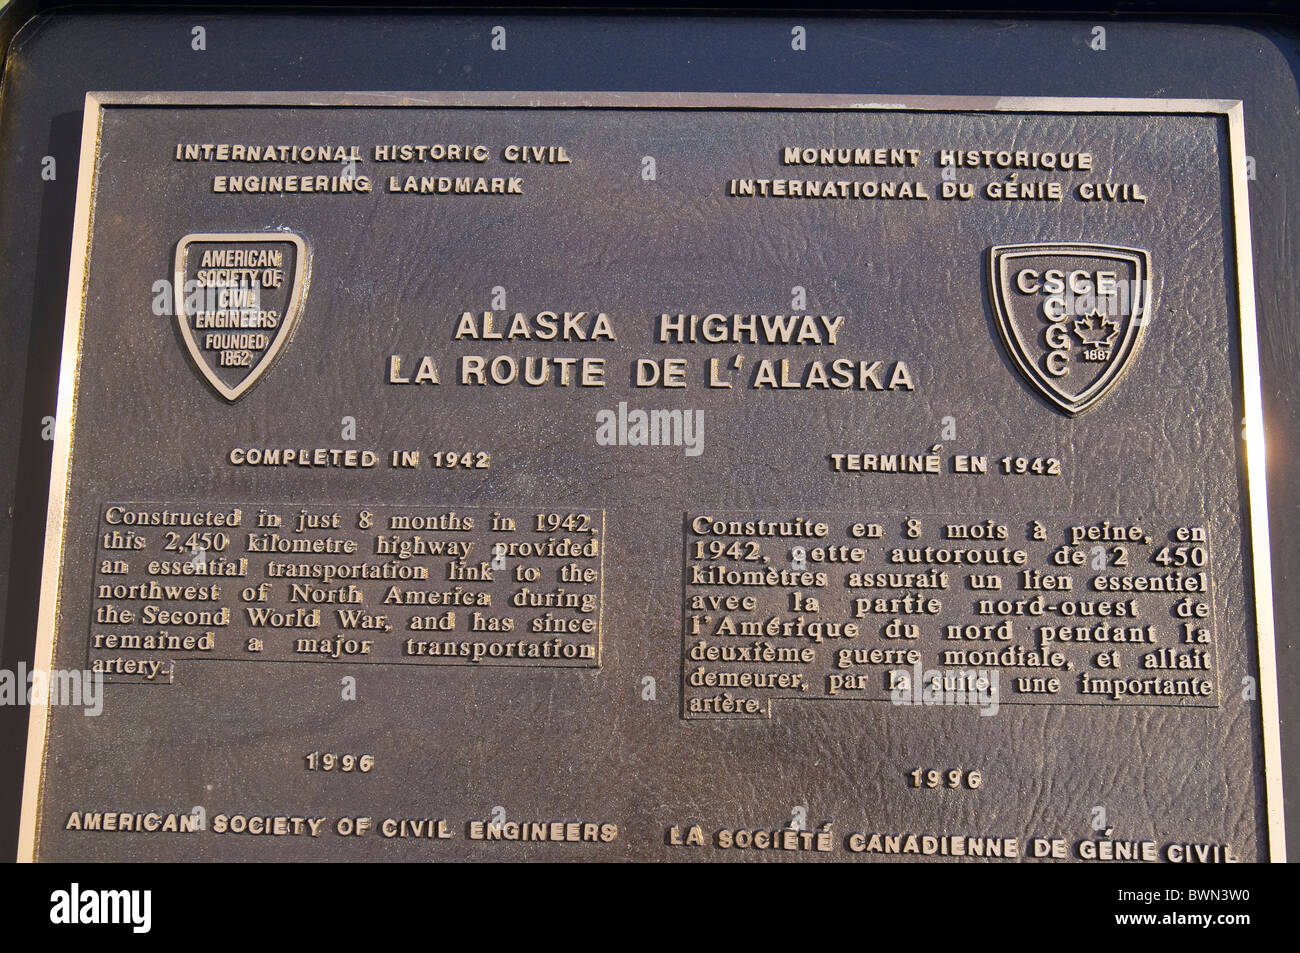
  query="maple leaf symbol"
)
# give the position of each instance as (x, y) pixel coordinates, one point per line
(1095, 330)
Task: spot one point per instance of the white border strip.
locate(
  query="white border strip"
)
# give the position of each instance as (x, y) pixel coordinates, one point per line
(61, 467)
(1257, 487)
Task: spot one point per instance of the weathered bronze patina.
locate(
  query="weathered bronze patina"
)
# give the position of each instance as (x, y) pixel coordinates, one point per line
(538, 476)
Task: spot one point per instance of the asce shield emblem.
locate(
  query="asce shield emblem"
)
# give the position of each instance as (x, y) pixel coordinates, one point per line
(238, 299)
(1071, 315)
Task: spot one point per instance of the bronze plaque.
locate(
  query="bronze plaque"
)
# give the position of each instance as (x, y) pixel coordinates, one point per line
(657, 477)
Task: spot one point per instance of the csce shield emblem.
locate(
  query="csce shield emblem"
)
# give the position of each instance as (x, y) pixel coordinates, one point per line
(1071, 315)
(238, 299)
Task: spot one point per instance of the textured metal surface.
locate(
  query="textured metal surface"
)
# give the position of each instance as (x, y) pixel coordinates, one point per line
(391, 279)
(909, 285)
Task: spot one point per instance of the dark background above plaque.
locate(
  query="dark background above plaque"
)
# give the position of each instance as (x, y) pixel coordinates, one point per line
(56, 55)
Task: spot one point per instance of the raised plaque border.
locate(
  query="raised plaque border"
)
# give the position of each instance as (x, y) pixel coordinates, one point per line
(70, 362)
